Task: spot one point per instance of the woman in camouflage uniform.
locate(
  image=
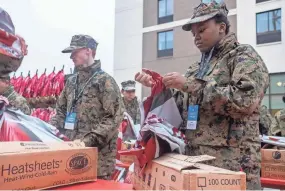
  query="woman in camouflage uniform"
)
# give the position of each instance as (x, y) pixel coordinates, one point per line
(227, 85)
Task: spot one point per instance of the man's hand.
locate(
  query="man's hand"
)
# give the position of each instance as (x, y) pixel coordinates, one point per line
(174, 80)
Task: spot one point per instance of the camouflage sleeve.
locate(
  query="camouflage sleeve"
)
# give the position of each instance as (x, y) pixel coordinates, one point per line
(276, 128)
(19, 102)
(266, 121)
(243, 95)
(181, 100)
(61, 108)
(138, 116)
(114, 108)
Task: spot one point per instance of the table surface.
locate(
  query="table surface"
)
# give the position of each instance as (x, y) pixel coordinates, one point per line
(98, 185)
(111, 185)
(273, 183)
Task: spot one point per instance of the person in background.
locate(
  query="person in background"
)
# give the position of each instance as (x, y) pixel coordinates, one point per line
(266, 121)
(16, 101)
(131, 101)
(222, 95)
(278, 129)
(90, 107)
(12, 51)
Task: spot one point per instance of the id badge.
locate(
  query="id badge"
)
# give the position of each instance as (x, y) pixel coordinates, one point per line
(70, 121)
(193, 112)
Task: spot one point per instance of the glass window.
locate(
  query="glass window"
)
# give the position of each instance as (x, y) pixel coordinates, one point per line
(262, 20)
(268, 27)
(165, 43)
(268, 21)
(165, 8)
(165, 40)
(162, 8)
(275, 20)
(169, 40)
(209, 1)
(277, 83)
(277, 102)
(259, 1)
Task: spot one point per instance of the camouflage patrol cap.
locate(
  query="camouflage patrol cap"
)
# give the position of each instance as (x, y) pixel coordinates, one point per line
(128, 85)
(205, 12)
(81, 41)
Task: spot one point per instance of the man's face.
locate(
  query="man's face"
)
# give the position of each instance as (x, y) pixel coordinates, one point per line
(207, 34)
(80, 56)
(129, 95)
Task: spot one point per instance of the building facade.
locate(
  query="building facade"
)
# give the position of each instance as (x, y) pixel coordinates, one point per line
(164, 47)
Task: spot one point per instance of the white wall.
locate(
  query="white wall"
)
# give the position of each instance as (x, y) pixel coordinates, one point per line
(128, 40)
(272, 53)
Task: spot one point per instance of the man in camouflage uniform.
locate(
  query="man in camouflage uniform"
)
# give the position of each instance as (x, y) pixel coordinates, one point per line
(91, 104)
(278, 128)
(12, 52)
(131, 101)
(16, 101)
(228, 85)
(266, 121)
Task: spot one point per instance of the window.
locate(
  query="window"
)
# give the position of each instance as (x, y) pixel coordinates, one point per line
(165, 11)
(260, 1)
(209, 1)
(273, 97)
(268, 26)
(165, 43)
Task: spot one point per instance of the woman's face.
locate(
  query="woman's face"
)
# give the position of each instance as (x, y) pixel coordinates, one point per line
(207, 34)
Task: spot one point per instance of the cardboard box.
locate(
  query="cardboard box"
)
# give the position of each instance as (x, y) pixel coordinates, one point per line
(34, 165)
(273, 171)
(273, 156)
(127, 159)
(180, 172)
(273, 163)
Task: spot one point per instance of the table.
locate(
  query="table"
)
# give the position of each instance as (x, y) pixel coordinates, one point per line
(98, 185)
(273, 183)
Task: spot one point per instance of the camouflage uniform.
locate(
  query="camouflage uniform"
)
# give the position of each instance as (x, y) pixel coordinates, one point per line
(229, 94)
(98, 111)
(279, 127)
(17, 101)
(132, 107)
(266, 121)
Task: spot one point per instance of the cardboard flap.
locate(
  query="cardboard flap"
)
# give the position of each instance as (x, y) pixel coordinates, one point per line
(201, 168)
(180, 162)
(18, 147)
(190, 159)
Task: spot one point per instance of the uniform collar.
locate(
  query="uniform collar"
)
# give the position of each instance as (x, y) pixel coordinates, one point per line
(87, 72)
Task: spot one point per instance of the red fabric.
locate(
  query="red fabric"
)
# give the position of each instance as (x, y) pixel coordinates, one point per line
(58, 84)
(148, 153)
(40, 85)
(156, 88)
(30, 89)
(48, 85)
(10, 131)
(98, 185)
(18, 83)
(7, 38)
(44, 114)
(272, 183)
(25, 83)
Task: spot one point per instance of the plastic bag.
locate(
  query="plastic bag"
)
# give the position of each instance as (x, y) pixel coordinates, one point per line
(16, 126)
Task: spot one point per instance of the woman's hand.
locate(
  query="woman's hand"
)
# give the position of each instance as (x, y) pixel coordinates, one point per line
(174, 80)
(144, 78)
